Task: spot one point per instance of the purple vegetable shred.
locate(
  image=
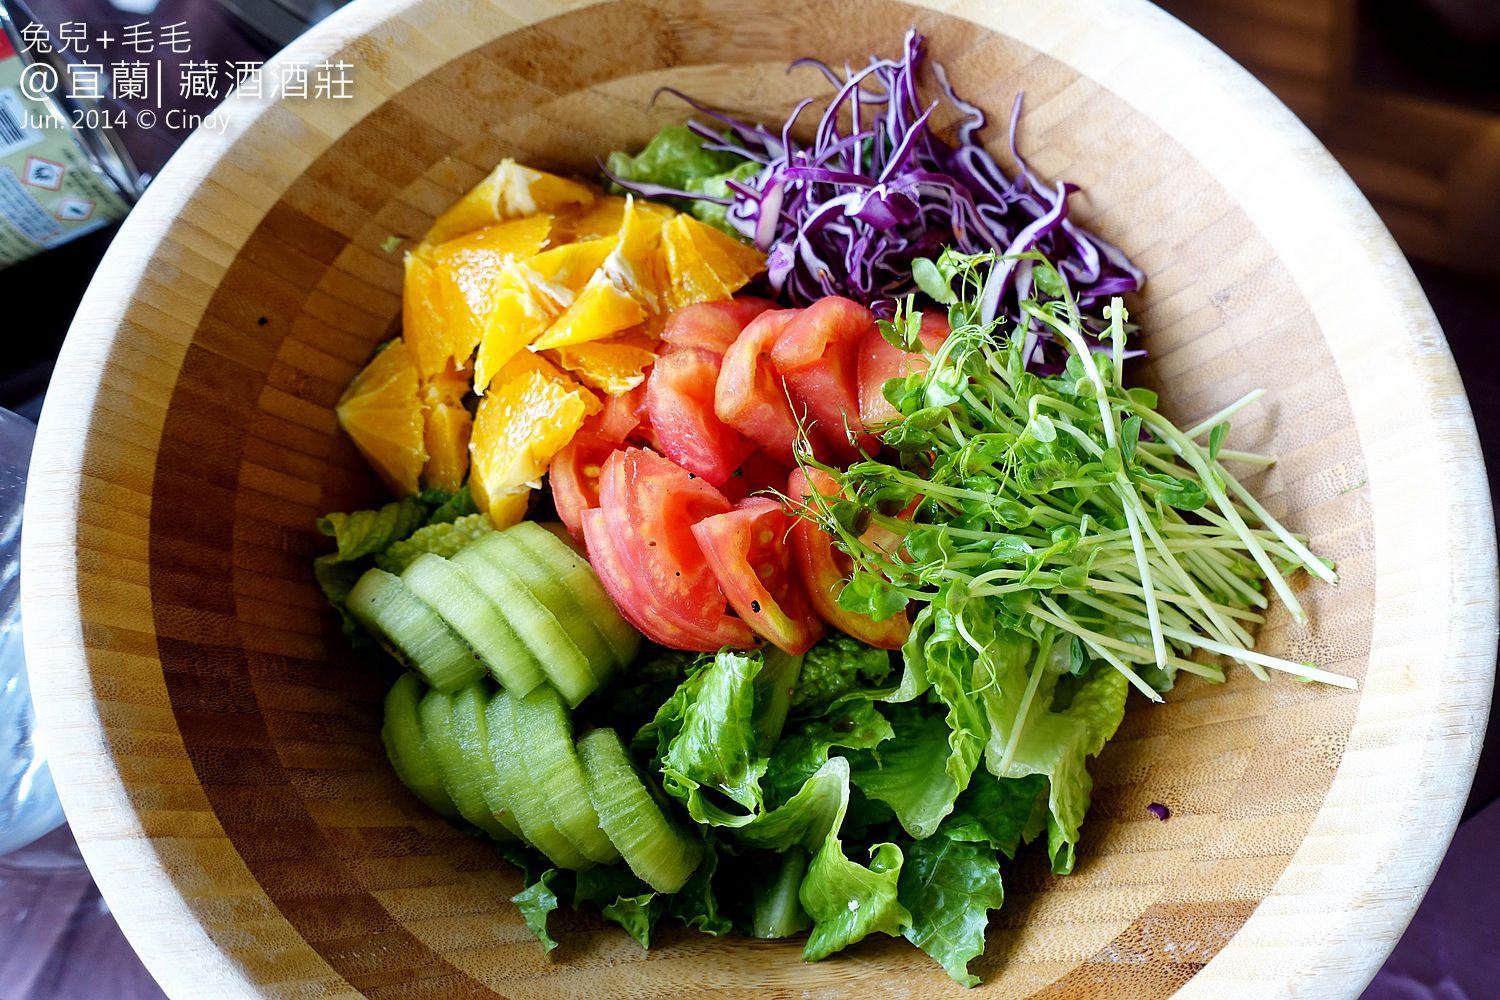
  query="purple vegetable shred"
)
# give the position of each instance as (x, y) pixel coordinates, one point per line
(877, 189)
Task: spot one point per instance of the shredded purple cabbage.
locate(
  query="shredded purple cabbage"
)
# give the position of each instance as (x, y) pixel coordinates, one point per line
(849, 214)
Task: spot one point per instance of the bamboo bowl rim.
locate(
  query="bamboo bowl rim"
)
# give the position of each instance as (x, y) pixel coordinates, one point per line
(1385, 342)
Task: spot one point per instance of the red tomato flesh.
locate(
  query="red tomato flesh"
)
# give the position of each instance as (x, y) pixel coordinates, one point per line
(825, 570)
(747, 550)
(712, 326)
(758, 473)
(880, 361)
(648, 505)
(751, 395)
(574, 473)
(817, 354)
(624, 416)
(619, 582)
(680, 406)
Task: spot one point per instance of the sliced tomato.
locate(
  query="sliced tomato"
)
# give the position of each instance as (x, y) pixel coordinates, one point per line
(825, 570)
(624, 416)
(752, 397)
(817, 354)
(648, 505)
(620, 583)
(750, 556)
(712, 326)
(680, 406)
(758, 473)
(574, 473)
(880, 361)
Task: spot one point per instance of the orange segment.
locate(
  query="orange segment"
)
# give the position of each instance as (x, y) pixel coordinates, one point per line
(705, 264)
(505, 509)
(532, 294)
(521, 423)
(509, 191)
(445, 431)
(622, 289)
(423, 308)
(451, 289)
(614, 366)
(602, 308)
(382, 413)
(603, 218)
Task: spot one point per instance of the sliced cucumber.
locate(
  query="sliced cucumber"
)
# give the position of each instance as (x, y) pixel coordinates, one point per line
(461, 774)
(411, 760)
(542, 727)
(507, 550)
(412, 632)
(471, 614)
(578, 579)
(471, 733)
(659, 851)
(531, 811)
(561, 659)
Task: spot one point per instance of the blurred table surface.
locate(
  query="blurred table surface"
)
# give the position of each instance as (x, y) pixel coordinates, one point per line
(57, 938)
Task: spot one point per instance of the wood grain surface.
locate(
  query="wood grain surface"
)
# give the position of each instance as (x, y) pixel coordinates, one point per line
(217, 748)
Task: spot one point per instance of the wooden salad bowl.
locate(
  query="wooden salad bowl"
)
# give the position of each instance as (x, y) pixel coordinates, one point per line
(217, 747)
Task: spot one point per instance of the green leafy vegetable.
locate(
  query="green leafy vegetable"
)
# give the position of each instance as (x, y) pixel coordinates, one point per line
(908, 772)
(536, 903)
(366, 532)
(835, 667)
(442, 538)
(716, 748)
(949, 887)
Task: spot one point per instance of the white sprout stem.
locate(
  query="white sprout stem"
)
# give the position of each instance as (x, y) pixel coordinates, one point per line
(1224, 628)
(1224, 414)
(1255, 668)
(1246, 457)
(1193, 455)
(1314, 565)
(1109, 585)
(1275, 663)
(1098, 643)
(1129, 498)
(1117, 338)
(1200, 669)
(1225, 455)
(1148, 588)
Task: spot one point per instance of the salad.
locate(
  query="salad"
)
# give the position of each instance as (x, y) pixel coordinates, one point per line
(774, 533)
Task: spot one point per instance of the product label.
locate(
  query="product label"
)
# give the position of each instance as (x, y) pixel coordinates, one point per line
(50, 191)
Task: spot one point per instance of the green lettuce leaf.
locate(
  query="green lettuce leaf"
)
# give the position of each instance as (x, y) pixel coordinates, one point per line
(949, 887)
(675, 157)
(449, 508)
(364, 532)
(776, 912)
(807, 817)
(909, 772)
(836, 667)
(848, 901)
(1057, 744)
(442, 538)
(695, 904)
(655, 736)
(536, 902)
(803, 751)
(637, 914)
(716, 747)
(998, 811)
